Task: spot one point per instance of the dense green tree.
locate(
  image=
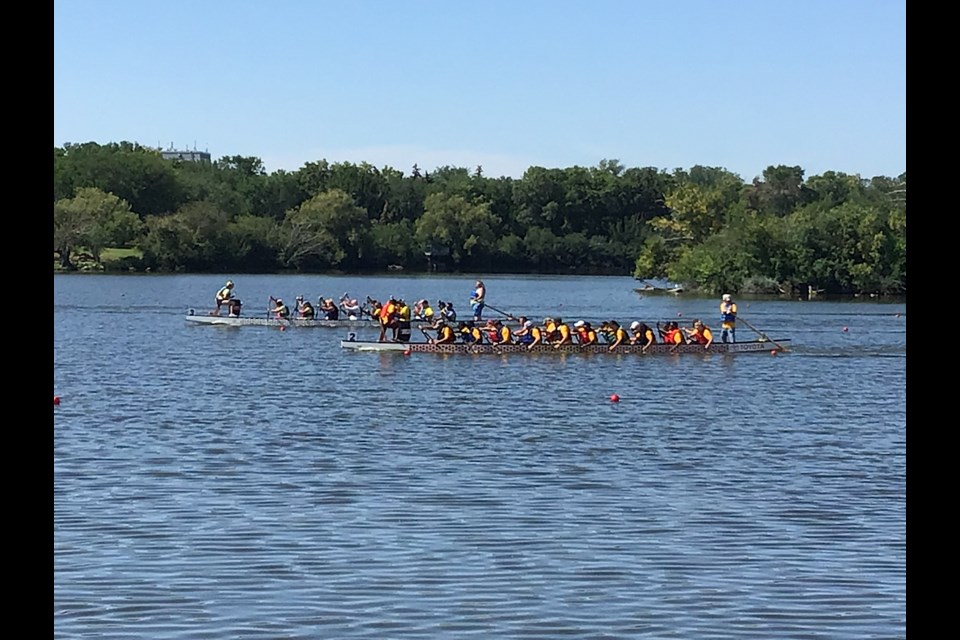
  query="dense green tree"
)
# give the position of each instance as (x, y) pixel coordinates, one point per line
(135, 174)
(323, 232)
(254, 243)
(94, 220)
(654, 258)
(703, 226)
(195, 238)
(394, 243)
(780, 192)
(468, 230)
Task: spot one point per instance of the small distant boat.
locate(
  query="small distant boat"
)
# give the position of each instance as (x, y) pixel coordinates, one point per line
(664, 287)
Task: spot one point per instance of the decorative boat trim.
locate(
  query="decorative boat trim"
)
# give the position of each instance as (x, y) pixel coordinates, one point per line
(755, 346)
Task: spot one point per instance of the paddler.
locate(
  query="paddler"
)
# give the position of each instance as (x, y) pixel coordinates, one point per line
(536, 335)
(402, 330)
(642, 335)
(673, 336)
(700, 334)
(619, 335)
(586, 335)
(549, 330)
(304, 309)
(445, 334)
(280, 310)
(563, 334)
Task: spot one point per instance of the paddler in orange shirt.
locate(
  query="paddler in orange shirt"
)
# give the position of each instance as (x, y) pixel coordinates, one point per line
(700, 334)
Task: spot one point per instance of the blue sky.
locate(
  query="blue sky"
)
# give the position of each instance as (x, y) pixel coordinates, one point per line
(504, 84)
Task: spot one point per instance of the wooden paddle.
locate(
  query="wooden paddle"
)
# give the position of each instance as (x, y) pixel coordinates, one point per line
(509, 316)
(762, 334)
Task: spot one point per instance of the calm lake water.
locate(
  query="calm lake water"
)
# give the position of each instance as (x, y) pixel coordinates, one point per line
(248, 482)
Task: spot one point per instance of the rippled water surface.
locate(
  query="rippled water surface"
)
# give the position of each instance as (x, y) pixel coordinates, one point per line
(215, 482)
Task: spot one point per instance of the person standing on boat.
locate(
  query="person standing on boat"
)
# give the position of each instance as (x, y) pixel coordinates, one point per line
(280, 310)
(478, 300)
(388, 318)
(700, 334)
(728, 318)
(224, 295)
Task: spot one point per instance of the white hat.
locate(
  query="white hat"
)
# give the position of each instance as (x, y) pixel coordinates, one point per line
(635, 325)
(578, 323)
(726, 296)
(527, 324)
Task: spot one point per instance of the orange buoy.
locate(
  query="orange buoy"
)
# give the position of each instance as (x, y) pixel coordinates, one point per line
(773, 352)
(56, 400)
(614, 398)
(406, 352)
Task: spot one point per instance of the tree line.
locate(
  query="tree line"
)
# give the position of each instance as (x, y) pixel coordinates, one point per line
(703, 227)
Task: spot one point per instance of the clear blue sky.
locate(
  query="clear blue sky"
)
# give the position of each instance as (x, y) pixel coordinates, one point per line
(505, 84)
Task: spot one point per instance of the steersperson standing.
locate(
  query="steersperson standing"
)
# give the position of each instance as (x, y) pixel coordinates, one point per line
(728, 318)
(478, 300)
(224, 295)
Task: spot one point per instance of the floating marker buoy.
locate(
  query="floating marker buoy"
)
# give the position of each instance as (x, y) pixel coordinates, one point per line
(773, 352)
(898, 315)
(679, 315)
(614, 398)
(282, 328)
(56, 400)
(406, 352)
(844, 329)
